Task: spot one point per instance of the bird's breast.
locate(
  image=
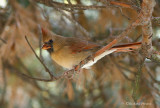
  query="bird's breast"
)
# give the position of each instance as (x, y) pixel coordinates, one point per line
(65, 58)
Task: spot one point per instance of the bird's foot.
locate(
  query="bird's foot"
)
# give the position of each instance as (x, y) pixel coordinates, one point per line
(91, 57)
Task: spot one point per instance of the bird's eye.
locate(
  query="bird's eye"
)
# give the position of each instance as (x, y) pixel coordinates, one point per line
(51, 41)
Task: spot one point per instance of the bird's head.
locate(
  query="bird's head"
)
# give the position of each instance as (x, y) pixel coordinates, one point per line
(51, 41)
(47, 40)
(48, 46)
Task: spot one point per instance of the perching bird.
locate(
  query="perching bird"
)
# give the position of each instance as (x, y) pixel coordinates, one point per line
(70, 51)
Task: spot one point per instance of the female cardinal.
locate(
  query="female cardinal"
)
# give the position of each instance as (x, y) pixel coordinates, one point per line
(70, 51)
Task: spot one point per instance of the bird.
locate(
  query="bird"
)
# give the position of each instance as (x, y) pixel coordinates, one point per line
(70, 51)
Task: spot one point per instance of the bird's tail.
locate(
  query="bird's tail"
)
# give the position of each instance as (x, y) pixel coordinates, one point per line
(127, 47)
(119, 48)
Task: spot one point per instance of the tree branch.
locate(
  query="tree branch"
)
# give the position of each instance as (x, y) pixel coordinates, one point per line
(52, 77)
(4, 83)
(147, 32)
(146, 50)
(137, 80)
(155, 58)
(64, 6)
(3, 40)
(81, 29)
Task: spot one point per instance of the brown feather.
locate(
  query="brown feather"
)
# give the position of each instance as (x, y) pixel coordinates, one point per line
(78, 45)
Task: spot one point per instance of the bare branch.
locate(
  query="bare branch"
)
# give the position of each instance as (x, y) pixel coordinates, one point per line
(120, 70)
(52, 77)
(64, 6)
(40, 42)
(83, 30)
(3, 40)
(17, 71)
(155, 58)
(145, 17)
(4, 83)
(137, 80)
(138, 3)
(152, 77)
(155, 18)
(147, 32)
(122, 4)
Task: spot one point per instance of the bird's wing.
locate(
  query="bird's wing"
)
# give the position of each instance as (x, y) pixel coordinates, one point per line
(78, 45)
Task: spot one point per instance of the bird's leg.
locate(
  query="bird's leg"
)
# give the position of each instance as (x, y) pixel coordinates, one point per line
(91, 57)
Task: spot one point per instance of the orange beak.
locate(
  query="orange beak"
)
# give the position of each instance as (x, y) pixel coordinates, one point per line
(46, 46)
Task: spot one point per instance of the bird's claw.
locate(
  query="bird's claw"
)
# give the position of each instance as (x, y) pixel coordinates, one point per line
(91, 57)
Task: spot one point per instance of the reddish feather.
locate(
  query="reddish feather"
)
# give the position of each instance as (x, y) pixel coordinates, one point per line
(85, 46)
(77, 47)
(44, 31)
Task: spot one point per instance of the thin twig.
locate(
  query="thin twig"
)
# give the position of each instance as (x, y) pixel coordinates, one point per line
(4, 83)
(3, 40)
(120, 70)
(155, 18)
(138, 3)
(82, 29)
(83, 7)
(47, 70)
(127, 69)
(152, 77)
(26, 70)
(137, 80)
(147, 32)
(145, 16)
(152, 89)
(124, 14)
(40, 42)
(17, 71)
(155, 59)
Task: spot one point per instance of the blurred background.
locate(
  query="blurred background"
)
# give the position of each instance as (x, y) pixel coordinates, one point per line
(109, 85)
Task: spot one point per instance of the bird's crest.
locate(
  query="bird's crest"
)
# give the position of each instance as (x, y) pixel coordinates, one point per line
(45, 34)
